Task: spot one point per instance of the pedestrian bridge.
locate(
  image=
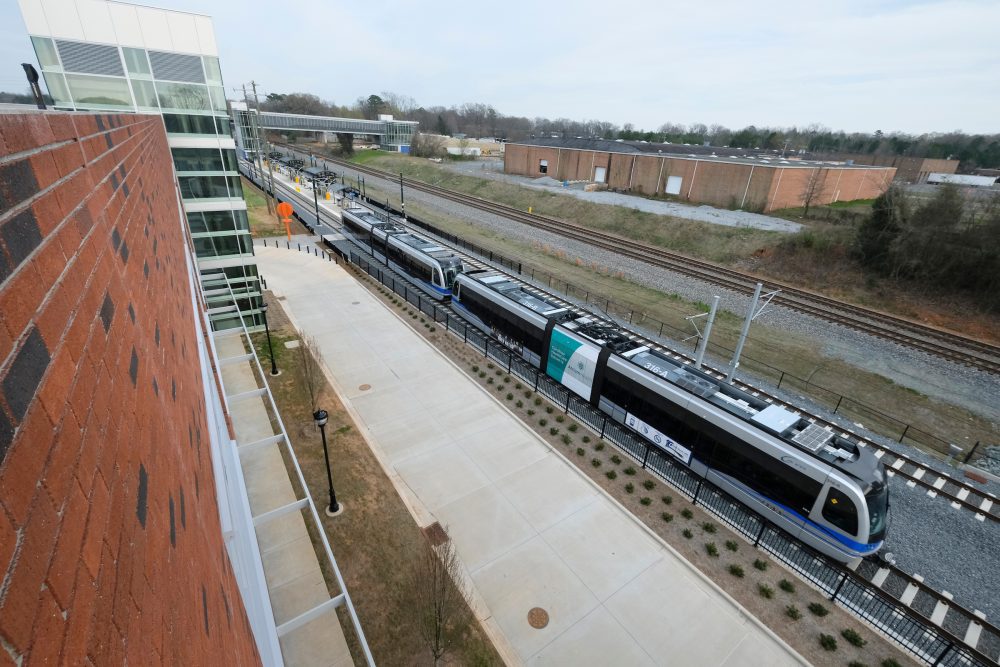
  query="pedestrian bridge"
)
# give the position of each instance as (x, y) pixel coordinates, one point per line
(394, 135)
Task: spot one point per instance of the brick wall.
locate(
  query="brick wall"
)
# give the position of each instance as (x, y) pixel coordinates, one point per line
(110, 543)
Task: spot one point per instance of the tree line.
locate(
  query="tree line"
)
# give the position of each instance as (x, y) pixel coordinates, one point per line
(483, 120)
(948, 243)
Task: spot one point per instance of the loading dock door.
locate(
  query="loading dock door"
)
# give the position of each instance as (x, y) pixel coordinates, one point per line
(600, 174)
(674, 185)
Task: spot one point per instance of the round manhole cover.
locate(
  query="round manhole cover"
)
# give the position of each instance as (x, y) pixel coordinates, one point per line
(365, 387)
(538, 618)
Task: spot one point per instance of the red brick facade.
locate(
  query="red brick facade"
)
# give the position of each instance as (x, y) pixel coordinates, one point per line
(110, 542)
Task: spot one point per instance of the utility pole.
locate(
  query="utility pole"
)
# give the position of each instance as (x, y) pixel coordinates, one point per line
(402, 201)
(708, 332)
(267, 146)
(752, 314)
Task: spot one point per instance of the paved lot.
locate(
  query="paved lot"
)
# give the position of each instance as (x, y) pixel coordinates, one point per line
(530, 530)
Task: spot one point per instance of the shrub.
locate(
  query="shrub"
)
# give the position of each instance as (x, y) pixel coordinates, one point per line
(489, 380)
(543, 421)
(549, 409)
(433, 328)
(553, 431)
(687, 533)
(527, 394)
(736, 571)
(667, 516)
(649, 485)
(423, 321)
(505, 379)
(616, 459)
(519, 404)
(561, 418)
(732, 545)
(490, 365)
(818, 609)
(792, 612)
(760, 564)
(482, 374)
(510, 396)
(667, 500)
(630, 488)
(475, 368)
(595, 462)
(573, 427)
(709, 527)
(765, 591)
(890, 662)
(531, 413)
(857, 663)
(538, 400)
(645, 500)
(598, 447)
(499, 372)
(687, 513)
(712, 550)
(786, 586)
(566, 439)
(629, 470)
(586, 438)
(853, 638)
(580, 451)
(828, 642)
(611, 474)
(517, 386)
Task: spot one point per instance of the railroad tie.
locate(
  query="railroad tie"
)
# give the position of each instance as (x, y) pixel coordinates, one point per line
(975, 629)
(941, 609)
(911, 591)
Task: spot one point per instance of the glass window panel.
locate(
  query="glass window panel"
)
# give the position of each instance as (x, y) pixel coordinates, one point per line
(189, 96)
(209, 187)
(216, 246)
(218, 221)
(136, 62)
(145, 94)
(198, 159)
(218, 98)
(98, 91)
(212, 70)
(46, 52)
(56, 85)
(225, 126)
(184, 124)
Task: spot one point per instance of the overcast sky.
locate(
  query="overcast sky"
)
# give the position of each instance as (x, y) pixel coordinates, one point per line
(854, 65)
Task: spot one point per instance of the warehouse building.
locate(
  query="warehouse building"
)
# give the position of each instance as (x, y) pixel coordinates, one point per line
(908, 169)
(717, 176)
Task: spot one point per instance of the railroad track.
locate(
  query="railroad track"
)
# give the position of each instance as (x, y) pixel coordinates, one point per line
(938, 342)
(966, 627)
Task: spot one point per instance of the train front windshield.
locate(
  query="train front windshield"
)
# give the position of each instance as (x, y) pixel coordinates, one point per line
(878, 510)
(450, 274)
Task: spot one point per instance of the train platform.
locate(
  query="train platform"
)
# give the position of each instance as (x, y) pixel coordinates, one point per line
(530, 529)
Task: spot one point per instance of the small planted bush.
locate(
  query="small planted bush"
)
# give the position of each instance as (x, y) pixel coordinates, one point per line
(531, 413)
(667, 500)
(646, 500)
(687, 513)
(560, 418)
(629, 470)
(549, 409)
(586, 438)
(712, 550)
(598, 447)
(573, 427)
(786, 586)
(510, 396)
(543, 421)
(482, 374)
(595, 462)
(580, 451)
(630, 488)
(489, 380)
(765, 591)
(566, 439)
(792, 612)
(736, 571)
(687, 533)
(538, 400)
(649, 485)
(667, 516)
(760, 564)
(857, 663)
(519, 404)
(527, 394)
(475, 368)
(890, 662)
(611, 474)
(616, 459)
(828, 642)
(853, 638)
(709, 527)
(517, 386)
(818, 609)
(490, 365)
(732, 545)
(499, 372)
(554, 431)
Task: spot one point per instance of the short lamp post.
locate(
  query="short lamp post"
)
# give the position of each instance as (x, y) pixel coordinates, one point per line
(270, 350)
(320, 417)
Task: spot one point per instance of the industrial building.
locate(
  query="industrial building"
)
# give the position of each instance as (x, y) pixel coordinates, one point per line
(705, 175)
(908, 169)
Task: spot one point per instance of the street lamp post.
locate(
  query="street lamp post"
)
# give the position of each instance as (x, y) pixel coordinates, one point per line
(270, 350)
(316, 198)
(320, 417)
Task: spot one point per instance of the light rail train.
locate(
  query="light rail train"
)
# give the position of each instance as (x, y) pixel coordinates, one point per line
(432, 266)
(811, 481)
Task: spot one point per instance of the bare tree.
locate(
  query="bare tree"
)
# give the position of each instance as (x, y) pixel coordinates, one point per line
(812, 190)
(312, 374)
(438, 590)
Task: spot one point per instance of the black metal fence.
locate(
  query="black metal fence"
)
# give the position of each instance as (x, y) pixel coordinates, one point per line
(912, 631)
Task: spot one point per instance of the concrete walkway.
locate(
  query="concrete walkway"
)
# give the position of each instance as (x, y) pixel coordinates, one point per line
(295, 583)
(531, 531)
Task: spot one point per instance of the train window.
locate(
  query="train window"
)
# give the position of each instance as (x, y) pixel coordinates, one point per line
(877, 500)
(766, 475)
(839, 510)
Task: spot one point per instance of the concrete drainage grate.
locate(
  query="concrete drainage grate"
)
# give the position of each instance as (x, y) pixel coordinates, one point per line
(538, 618)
